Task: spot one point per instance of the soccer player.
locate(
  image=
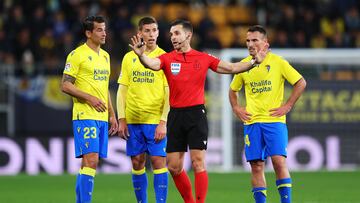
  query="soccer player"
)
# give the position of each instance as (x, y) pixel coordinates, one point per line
(265, 131)
(86, 79)
(185, 70)
(143, 105)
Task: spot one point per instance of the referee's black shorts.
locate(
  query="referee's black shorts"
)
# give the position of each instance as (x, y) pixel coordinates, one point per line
(187, 127)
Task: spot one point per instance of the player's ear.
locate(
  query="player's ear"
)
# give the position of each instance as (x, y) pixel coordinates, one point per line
(88, 33)
(188, 36)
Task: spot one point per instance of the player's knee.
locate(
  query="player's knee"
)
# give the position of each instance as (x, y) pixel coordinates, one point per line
(158, 163)
(174, 170)
(257, 167)
(197, 164)
(138, 164)
(91, 162)
(279, 167)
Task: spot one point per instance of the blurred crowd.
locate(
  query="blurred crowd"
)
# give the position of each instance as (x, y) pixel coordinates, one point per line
(37, 35)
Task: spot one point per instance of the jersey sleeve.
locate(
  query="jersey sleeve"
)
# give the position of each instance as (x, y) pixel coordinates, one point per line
(162, 60)
(213, 62)
(124, 73)
(237, 83)
(289, 73)
(72, 64)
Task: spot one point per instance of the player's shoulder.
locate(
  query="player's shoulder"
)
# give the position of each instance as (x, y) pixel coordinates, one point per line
(130, 55)
(159, 51)
(277, 58)
(76, 53)
(247, 59)
(104, 52)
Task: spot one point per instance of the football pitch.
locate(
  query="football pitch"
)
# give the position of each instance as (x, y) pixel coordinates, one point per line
(308, 187)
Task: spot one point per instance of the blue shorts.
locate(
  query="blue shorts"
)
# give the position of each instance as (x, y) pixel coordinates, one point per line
(265, 139)
(90, 136)
(142, 140)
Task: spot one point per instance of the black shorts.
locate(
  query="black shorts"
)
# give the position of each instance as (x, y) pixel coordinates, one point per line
(187, 127)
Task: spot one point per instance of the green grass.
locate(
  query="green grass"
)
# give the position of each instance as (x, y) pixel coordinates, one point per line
(308, 187)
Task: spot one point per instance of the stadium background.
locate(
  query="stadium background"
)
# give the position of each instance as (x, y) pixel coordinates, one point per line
(35, 117)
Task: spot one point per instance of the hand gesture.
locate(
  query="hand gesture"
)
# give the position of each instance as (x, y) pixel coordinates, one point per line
(242, 114)
(97, 103)
(137, 45)
(261, 54)
(113, 125)
(282, 110)
(160, 131)
(123, 129)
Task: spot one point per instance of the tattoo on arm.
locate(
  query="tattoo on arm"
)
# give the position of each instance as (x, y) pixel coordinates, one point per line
(69, 78)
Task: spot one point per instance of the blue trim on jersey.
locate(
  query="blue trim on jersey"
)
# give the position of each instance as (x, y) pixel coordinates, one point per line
(265, 139)
(90, 136)
(142, 140)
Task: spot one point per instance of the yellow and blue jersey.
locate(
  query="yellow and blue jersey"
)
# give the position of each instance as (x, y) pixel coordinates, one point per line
(264, 87)
(146, 89)
(92, 72)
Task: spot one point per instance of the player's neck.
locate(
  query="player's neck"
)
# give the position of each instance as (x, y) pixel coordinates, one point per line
(93, 46)
(149, 49)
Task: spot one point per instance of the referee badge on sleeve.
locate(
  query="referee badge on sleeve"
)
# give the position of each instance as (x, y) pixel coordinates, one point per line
(175, 68)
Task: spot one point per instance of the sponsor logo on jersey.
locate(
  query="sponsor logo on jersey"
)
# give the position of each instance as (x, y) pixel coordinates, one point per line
(175, 68)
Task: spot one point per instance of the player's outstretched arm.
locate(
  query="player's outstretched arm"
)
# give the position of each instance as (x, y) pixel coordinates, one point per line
(239, 67)
(232, 68)
(68, 87)
(138, 46)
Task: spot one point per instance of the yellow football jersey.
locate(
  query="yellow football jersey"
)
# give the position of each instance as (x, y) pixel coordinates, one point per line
(264, 87)
(92, 72)
(145, 95)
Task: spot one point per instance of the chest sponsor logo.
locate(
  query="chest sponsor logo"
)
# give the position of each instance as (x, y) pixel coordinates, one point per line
(175, 68)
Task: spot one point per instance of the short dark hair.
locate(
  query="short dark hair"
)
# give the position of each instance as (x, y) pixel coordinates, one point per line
(186, 24)
(257, 28)
(145, 21)
(88, 23)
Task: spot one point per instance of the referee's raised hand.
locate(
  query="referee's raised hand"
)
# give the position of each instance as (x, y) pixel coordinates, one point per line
(137, 45)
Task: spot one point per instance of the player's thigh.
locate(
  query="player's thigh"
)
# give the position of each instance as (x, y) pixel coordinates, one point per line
(253, 142)
(197, 128)
(276, 138)
(86, 137)
(136, 143)
(176, 137)
(154, 148)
